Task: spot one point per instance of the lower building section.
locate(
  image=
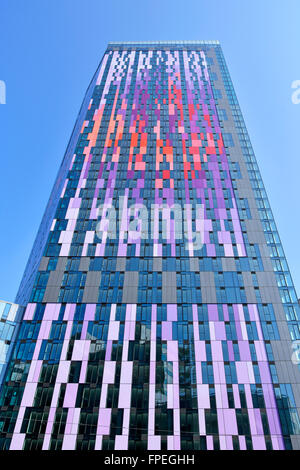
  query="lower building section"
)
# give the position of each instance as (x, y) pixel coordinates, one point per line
(145, 376)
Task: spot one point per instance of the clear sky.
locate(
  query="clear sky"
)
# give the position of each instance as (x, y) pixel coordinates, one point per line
(49, 51)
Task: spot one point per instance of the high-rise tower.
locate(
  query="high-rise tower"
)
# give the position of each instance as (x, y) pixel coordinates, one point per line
(160, 311)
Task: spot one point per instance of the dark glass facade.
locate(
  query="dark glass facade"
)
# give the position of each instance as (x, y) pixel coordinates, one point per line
(10, 315)
(160, 311)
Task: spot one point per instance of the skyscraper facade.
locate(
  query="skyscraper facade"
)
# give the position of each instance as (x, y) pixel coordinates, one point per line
(160, 311)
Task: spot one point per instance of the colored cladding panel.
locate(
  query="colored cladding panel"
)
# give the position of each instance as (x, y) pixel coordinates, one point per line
(158, 319)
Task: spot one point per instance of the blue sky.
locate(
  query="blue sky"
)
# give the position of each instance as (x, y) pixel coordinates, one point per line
(49, 51)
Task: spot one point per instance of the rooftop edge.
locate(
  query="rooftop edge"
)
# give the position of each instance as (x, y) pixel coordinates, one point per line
(149, 43)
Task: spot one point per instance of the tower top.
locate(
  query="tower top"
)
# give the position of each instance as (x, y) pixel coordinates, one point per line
(163, 43)
(160, 44)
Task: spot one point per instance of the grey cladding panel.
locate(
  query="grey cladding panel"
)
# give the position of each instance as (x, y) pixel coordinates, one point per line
(44, 263)
(228, 264)
(61, 263)
(157, 264)
(130, 287)
(93, 279)
(194, 264)
(121, 264)
(169, 279)
(169, 294)
(84, 263)
(207, 279)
